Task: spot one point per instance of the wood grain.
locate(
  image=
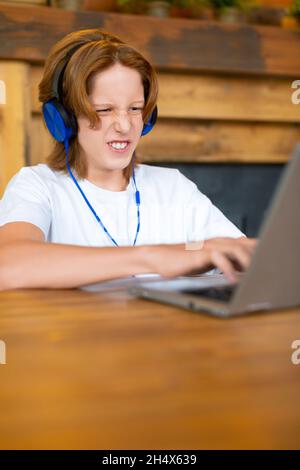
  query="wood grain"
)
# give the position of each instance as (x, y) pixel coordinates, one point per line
(234, 98)
(107, 371)
(168, 43)
(207, 118)
(224, 90)
(15, 120)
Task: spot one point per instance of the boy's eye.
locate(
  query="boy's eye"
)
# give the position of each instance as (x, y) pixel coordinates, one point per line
(109, 109)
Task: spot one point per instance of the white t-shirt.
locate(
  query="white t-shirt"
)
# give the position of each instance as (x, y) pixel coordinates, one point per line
(172, 208)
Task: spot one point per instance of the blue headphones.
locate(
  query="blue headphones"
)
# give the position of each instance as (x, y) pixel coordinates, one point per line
(62, 125)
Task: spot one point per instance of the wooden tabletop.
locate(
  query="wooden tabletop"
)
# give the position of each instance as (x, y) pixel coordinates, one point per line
(108, 371)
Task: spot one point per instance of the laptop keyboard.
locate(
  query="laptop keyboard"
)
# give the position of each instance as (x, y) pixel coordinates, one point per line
(223, 293)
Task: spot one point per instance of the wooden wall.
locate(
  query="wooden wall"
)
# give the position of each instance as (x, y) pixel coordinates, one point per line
(225, 90)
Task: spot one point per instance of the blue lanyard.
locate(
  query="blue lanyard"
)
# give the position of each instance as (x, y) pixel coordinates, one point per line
(137, 199)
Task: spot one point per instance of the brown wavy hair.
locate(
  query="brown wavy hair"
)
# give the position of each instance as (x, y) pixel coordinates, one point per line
(98, 52)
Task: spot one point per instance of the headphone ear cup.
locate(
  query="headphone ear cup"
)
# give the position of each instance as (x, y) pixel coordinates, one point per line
(59, 122)
(150, 124)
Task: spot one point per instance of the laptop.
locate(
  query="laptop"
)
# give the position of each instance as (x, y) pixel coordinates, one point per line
(272, 280)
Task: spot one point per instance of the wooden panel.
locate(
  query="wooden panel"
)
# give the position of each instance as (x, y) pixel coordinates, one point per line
(27, 2)
(15, 120)
(174, 140)
(228, 98)
(197, 117)
(215, 97)
(28, 33)
(275, 3)
(41, 141)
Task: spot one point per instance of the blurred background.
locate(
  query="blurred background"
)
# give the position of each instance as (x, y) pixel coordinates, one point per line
(227, 69)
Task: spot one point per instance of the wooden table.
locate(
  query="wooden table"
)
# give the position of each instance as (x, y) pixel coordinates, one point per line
(108, 371)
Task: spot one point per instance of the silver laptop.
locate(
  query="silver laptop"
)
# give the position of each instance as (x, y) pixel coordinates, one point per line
(272, 281)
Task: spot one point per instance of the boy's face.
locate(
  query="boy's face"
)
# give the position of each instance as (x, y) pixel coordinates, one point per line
(2, 92)
(117, 94)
